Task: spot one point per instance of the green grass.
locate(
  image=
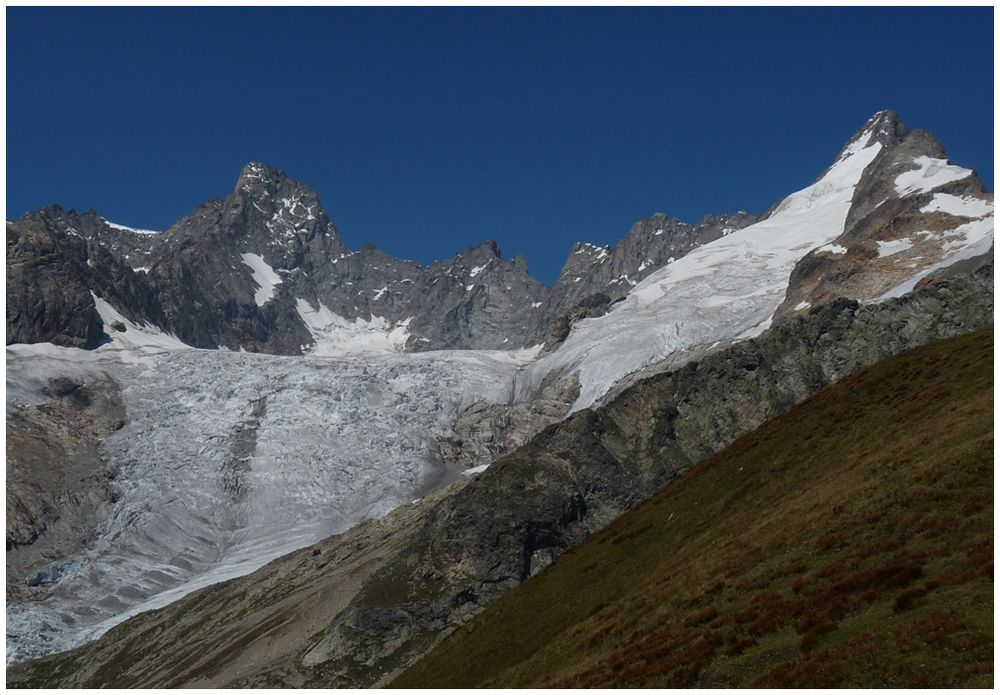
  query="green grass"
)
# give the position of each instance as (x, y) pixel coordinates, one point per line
(846, 543)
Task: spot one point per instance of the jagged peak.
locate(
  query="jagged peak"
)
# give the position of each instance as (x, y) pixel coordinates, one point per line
(265, 196)
(884, 127)
(487, 247)
(261, 171)
(260, 181)
(265, 179)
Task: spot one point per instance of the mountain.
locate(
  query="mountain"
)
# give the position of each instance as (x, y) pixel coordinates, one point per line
(266, 271)
(358, 608)
(868, 563)
(227, 458)
(911, 210)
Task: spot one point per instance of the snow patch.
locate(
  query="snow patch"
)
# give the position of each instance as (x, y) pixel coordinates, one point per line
(890, 248)
(971, 239)
(263, 274)
(835, 249)
(959, 206)
(334, 336)
(139, 337)
(131, 230)
(476, 470)
(929, 174)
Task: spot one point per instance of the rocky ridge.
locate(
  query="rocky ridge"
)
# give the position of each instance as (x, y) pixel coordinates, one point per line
(265, 270)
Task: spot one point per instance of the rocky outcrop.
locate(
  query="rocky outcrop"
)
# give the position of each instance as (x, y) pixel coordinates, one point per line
(450, 558)
(132, 246)
(487, 431)
(58, 486)
(48, 298)
(589, 307)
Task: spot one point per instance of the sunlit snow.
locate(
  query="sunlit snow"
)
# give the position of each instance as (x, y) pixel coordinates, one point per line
(966, 241)
(958, 206)
(335, 335)
(929, 174)
(742, 275)
(132, 230)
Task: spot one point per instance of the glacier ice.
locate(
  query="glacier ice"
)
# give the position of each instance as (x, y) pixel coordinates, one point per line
(229, 460)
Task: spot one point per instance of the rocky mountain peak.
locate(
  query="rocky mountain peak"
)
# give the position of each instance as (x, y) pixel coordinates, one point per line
(911, 210)
(488, 248)
(266, 194)
(270, 213)
(482, 254)
(885, 127)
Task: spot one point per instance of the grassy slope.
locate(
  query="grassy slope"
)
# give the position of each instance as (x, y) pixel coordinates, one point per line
(848, 542)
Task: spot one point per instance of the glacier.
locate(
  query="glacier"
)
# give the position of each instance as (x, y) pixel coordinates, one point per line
(229, 460)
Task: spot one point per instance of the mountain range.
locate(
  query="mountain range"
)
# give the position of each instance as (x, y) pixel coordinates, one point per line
(241, 454)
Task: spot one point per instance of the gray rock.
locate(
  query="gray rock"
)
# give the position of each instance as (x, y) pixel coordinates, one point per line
(50, 277)
(488, 431)
(195, 284)
(58, 486)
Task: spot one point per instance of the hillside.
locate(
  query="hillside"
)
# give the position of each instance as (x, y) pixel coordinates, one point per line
(846, 543)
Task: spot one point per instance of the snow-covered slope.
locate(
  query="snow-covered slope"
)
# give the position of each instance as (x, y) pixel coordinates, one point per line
(229, 460)
(726, 289)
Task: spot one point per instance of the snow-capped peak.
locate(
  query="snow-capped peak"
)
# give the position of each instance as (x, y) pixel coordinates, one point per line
(725, 289)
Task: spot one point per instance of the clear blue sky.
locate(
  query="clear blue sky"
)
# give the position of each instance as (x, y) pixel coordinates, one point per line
(428, 130)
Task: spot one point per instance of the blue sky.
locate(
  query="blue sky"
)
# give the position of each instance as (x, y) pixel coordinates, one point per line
(428, 130)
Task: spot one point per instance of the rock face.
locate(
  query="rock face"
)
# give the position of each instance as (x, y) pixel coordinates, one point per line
(58, 486)
(487, 431)
(447, 558)
(50, 280)
(266, 271)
